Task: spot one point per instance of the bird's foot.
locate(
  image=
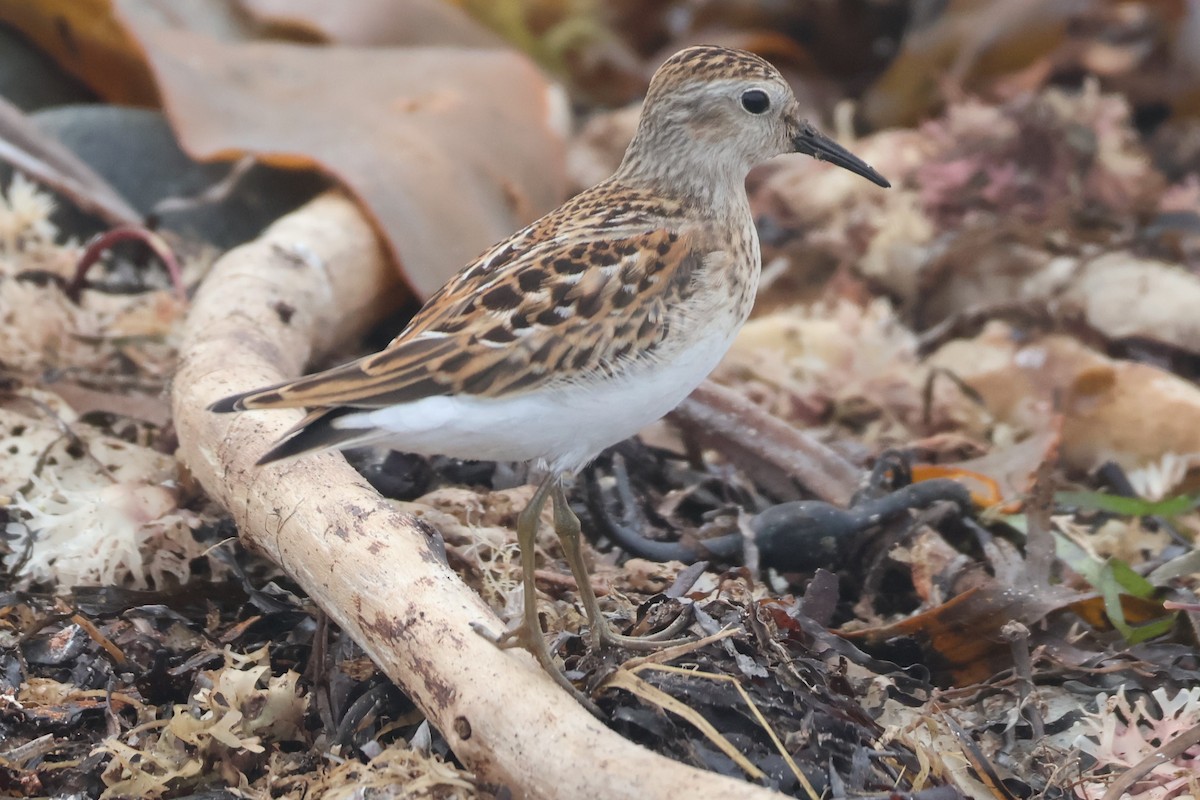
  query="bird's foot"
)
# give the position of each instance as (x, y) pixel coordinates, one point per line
(534, 641)
(604, 635)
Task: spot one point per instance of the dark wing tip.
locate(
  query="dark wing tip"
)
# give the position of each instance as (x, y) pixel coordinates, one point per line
(287, 448)
(315, 434)
(246, 401)
(227, 404)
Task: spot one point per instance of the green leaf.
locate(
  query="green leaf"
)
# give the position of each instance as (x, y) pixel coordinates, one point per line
(1177, 567)
(1127, 506)
(1141, 633)
(1132, 583)
(1078, 559)
(1113, 578)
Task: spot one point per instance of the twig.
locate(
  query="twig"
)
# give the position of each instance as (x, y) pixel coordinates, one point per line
(1018, 638)
(716, 412)
(1163, 755)
(103, 242)
(48, 162)
(215, 193)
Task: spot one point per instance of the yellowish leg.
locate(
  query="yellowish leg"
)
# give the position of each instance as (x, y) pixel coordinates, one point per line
(529, 634)
(566, 525)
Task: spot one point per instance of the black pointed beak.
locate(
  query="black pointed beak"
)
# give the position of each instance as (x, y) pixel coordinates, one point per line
(812, 142)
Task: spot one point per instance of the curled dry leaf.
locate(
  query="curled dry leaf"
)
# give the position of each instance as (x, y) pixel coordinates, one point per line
(447, 149)
(1133, 414)
(1010, 466)
(85, 39)
(374, 22)
(962, 635)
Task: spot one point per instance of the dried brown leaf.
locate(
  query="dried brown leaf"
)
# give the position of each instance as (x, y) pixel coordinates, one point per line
(967, 43)
(962, 636)
(374, 22)
(1133, 414)
(85, 39)
(448, 150)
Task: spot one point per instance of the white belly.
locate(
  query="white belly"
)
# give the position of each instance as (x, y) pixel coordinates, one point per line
(564, 427)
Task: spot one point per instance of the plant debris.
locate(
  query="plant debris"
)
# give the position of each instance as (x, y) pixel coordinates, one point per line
(930, 530)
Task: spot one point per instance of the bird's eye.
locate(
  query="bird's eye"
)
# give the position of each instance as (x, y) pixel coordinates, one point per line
(755, 101)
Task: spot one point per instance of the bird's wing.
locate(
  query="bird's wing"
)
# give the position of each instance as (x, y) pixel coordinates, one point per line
(532, 311)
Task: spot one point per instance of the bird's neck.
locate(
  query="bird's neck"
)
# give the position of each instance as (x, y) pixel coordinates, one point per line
(687, 173)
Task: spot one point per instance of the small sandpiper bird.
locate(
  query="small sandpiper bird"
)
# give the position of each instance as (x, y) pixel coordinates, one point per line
(592, 322)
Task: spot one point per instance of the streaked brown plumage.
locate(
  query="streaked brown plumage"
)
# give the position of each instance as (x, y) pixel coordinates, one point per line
(591, 322)
(568, 299)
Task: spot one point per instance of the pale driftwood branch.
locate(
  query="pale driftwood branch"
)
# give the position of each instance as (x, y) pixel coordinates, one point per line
(312, 280)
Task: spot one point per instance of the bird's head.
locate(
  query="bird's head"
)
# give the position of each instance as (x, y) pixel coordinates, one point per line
(715, 109)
